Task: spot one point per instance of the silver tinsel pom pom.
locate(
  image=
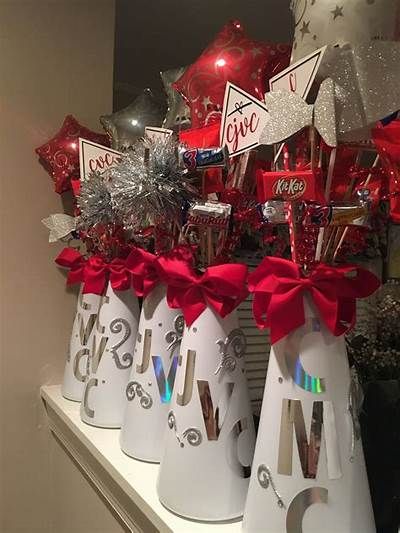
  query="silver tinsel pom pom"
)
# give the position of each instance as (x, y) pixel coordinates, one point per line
(148, 186)
(94, 202)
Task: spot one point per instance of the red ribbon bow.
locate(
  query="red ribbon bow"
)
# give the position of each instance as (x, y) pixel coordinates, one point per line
(221, 287)
(278, 286)
(94, 272)
(75, 262)
(143, 269)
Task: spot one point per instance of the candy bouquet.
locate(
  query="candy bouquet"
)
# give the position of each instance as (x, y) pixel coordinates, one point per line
(294, 162)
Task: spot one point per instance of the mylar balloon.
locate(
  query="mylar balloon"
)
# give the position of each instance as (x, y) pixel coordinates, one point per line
(178, 114)
(127, 125)
(60, 155)
(230, 57)
(333, 22)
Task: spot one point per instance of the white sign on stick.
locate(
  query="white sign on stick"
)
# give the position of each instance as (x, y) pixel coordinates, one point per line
(243, 119)
(298, 78)
(154, 133)
(94, 157)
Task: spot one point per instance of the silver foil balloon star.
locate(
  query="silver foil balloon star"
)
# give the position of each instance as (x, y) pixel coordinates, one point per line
(127, 125)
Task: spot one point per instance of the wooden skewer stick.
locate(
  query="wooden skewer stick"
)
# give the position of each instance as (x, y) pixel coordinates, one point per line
(346, 229)
(338, 232)
(328, 185)
(312, 142)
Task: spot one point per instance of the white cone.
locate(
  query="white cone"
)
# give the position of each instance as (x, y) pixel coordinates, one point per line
(209, 444)
(80, 346)
(308, 376)
(110, 359)
(152, 378)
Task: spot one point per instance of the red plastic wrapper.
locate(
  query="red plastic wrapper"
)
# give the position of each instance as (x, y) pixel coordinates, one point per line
(289, 186)
(387, 140)
(205, 137)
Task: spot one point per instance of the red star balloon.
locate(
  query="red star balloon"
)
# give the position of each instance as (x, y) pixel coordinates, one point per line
(233, 57)
(60, 155)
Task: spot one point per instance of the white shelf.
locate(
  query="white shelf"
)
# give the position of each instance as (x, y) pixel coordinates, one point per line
(128, 485)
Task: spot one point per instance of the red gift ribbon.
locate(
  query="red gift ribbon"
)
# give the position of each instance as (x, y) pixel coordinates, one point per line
(220, 287)
(94, 272)
(279, 285)
(75, 262)
(143, 268)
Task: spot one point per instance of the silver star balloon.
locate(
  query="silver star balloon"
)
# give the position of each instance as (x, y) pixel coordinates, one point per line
(178, 114)
(334, 22)
(127, 125)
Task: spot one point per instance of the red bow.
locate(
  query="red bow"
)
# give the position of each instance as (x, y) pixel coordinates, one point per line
(75, 262)
(221, 287)
(278, 286)
(143, 269)
(94, 272)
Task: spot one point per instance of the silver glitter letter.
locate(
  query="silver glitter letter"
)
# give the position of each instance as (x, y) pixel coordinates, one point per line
(93, 382)
(186, 396)
(213, 420)
(144, 365)
(322, 414)
(165, 385)
(300, 503)
(76, 365)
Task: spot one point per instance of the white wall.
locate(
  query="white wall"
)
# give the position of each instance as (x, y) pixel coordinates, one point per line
(56, 57)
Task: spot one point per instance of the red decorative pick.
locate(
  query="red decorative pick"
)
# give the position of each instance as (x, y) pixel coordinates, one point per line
(233, 57)
(60, 155)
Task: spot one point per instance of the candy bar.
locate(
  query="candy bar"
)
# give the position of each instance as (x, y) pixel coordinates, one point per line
(336, 215)
(273, 212)
(203, 158)
(212, 214)
(289, 186)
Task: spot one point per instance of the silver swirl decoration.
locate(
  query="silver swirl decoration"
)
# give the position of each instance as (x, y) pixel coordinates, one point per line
(133, 389)
(174, 336)
(192, 435)
(262, 476)
(236, 341)
(171, 420)
(265, 480)
(116, 326)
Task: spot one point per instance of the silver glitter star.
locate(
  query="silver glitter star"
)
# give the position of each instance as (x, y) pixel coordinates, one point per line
(337, 12)
(60, 225)
(206, 101)
(304, 29)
